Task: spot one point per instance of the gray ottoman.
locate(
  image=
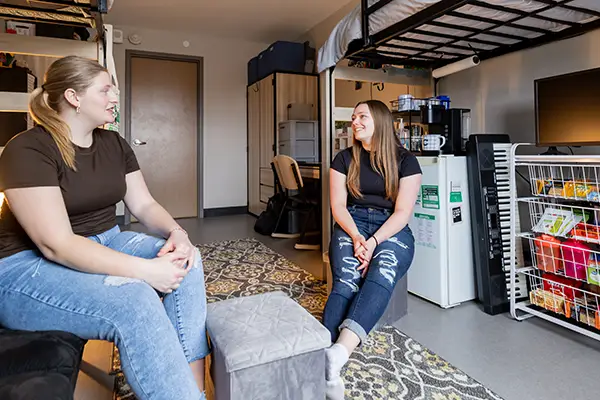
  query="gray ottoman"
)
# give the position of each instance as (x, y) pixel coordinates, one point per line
(266, 347)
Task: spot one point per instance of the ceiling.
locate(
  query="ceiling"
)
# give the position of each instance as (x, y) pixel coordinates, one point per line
(256, 20)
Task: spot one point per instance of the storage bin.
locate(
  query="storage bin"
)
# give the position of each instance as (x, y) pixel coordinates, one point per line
(266, 346)
(300, 150)
(299, 140)
(20, 28)
(282, 56)
(253, 70)
(294, 130)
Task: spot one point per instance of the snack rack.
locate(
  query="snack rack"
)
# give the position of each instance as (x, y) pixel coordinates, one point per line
(562, 215)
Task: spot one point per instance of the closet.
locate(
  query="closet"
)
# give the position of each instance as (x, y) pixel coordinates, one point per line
(268, 104)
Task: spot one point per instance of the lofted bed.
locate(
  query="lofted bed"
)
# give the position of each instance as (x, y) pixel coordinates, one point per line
(431, 34)
(84, 15)
(415, 42)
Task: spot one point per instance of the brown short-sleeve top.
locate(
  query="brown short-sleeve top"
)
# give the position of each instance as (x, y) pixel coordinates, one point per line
(32, 159)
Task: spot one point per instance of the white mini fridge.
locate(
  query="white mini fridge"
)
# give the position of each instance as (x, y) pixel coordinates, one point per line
(442, 270)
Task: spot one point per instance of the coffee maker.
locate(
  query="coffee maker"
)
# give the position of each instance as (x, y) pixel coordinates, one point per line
(454, 124)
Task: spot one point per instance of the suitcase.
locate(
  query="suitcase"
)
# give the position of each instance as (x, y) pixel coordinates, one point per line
(283, 56)
(253, 70)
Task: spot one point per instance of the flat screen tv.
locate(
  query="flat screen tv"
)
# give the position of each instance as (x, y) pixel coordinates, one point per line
(567, 109)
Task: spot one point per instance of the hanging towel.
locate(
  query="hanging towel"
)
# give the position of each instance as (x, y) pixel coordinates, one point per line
(110, 65)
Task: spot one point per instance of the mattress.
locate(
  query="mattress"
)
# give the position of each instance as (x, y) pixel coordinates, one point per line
(349, 28)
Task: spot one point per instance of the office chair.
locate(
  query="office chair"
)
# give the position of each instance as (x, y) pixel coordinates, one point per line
(288, 179)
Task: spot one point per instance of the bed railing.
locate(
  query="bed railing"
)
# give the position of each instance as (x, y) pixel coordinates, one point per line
(434, 54)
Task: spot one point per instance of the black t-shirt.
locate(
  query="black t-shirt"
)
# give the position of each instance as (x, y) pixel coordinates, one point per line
(372, 185)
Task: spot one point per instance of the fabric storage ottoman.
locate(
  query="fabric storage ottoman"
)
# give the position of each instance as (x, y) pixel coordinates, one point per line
(266, 347)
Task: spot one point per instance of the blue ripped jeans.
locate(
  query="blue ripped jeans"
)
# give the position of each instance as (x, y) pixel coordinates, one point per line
(357, 303)
(156, 339)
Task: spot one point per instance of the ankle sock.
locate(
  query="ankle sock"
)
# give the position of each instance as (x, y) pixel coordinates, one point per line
(336, 357)
(335, 389)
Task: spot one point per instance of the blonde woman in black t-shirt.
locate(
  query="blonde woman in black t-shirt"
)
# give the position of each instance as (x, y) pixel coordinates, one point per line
(64, 263)
(373, 188)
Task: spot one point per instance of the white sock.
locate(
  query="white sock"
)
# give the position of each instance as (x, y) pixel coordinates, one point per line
(336, 357)
(335, 389)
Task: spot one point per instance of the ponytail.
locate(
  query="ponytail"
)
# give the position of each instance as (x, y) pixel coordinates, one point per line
(71, 72)
(45, 116)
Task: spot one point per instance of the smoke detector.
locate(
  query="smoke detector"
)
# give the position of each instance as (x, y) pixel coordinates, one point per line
(134, 38)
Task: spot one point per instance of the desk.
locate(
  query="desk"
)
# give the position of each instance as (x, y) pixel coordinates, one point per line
(310, 171)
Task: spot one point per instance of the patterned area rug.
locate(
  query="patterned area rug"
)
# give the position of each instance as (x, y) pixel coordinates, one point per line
(390, 365)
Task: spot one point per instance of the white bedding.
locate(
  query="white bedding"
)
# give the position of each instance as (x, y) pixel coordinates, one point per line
(349, 28)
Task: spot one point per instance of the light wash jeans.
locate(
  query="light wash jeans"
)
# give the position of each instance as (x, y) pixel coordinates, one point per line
(156, 340)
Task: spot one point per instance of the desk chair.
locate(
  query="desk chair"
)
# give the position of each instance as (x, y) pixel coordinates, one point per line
(288, 178)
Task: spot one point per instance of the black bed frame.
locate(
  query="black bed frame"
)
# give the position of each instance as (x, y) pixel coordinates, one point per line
(94, 10)
(368, 48)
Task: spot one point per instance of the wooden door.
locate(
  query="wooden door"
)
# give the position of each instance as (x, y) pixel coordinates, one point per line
(267, 138)
(164, 130)
(254, 204)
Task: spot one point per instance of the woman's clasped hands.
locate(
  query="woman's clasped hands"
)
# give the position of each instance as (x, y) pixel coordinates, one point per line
(363, 251)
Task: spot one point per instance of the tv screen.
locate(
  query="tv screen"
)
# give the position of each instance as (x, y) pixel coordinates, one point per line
(567, 109)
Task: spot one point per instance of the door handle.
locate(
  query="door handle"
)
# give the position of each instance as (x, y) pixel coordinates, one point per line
(138, 142)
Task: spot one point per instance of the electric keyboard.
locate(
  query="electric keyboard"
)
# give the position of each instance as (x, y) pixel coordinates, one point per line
(503, 178)
(488, 158)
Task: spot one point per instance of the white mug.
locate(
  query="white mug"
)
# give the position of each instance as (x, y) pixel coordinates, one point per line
(433, 142)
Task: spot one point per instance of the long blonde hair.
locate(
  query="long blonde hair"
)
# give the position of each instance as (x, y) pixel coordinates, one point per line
(70, 72)
(383, 154)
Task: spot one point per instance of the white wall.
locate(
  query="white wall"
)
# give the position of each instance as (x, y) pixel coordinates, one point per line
(500, 91)
(225, 78)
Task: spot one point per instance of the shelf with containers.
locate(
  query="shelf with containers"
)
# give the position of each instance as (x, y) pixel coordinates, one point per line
(561, 210)
(342, 136)
(407, 111)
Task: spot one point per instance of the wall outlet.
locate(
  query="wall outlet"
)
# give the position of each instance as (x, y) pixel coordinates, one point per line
(117, 36)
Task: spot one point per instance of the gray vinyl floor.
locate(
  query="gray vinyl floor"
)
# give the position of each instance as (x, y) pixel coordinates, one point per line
(207, 230)
(525, 360)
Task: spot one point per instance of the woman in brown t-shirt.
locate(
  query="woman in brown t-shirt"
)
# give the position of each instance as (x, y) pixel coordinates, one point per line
(64, 263)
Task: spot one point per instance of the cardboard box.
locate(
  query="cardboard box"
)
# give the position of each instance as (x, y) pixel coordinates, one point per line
(20, 28)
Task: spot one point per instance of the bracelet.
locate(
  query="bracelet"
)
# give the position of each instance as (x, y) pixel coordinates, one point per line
(178, 229)
(376, 241)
